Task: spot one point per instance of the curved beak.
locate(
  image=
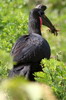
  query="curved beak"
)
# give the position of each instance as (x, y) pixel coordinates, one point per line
(47, 22)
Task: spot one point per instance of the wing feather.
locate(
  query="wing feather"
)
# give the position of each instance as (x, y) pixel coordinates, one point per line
(29, 48)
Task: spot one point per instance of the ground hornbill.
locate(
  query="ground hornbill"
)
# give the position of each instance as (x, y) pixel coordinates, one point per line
(30, 49)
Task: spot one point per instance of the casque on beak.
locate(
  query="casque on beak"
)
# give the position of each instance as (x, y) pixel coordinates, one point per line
(46, 21)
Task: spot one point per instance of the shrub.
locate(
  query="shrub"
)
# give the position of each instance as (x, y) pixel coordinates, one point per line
(54, 74)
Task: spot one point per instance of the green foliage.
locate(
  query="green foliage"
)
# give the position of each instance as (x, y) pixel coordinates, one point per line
(5, 64)
(13, 23)
(54, 74)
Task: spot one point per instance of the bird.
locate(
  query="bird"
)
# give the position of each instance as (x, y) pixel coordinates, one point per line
(30, 49)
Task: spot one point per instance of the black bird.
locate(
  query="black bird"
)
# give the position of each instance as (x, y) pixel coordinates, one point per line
(30, 49)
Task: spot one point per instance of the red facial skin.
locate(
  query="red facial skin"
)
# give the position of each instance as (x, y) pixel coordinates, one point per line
(40, 21)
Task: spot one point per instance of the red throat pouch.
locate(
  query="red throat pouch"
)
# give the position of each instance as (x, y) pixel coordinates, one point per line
(40, 21)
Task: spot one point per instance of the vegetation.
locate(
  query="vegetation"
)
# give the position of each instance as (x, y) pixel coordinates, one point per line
(54, 75)
(14, 23)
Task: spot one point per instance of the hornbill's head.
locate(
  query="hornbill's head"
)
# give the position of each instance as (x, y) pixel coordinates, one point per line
(45, 20)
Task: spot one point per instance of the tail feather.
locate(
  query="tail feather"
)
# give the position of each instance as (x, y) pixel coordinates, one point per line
(25, 70)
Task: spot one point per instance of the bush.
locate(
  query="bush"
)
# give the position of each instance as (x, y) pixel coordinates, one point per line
(54, 75)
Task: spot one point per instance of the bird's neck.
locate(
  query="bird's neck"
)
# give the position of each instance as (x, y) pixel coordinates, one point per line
(34, 25)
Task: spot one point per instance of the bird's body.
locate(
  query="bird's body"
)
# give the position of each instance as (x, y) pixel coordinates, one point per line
(28, 52)
(30, 49)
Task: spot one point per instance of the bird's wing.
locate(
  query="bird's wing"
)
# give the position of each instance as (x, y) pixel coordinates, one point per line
(30, 49)
(23, 50)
